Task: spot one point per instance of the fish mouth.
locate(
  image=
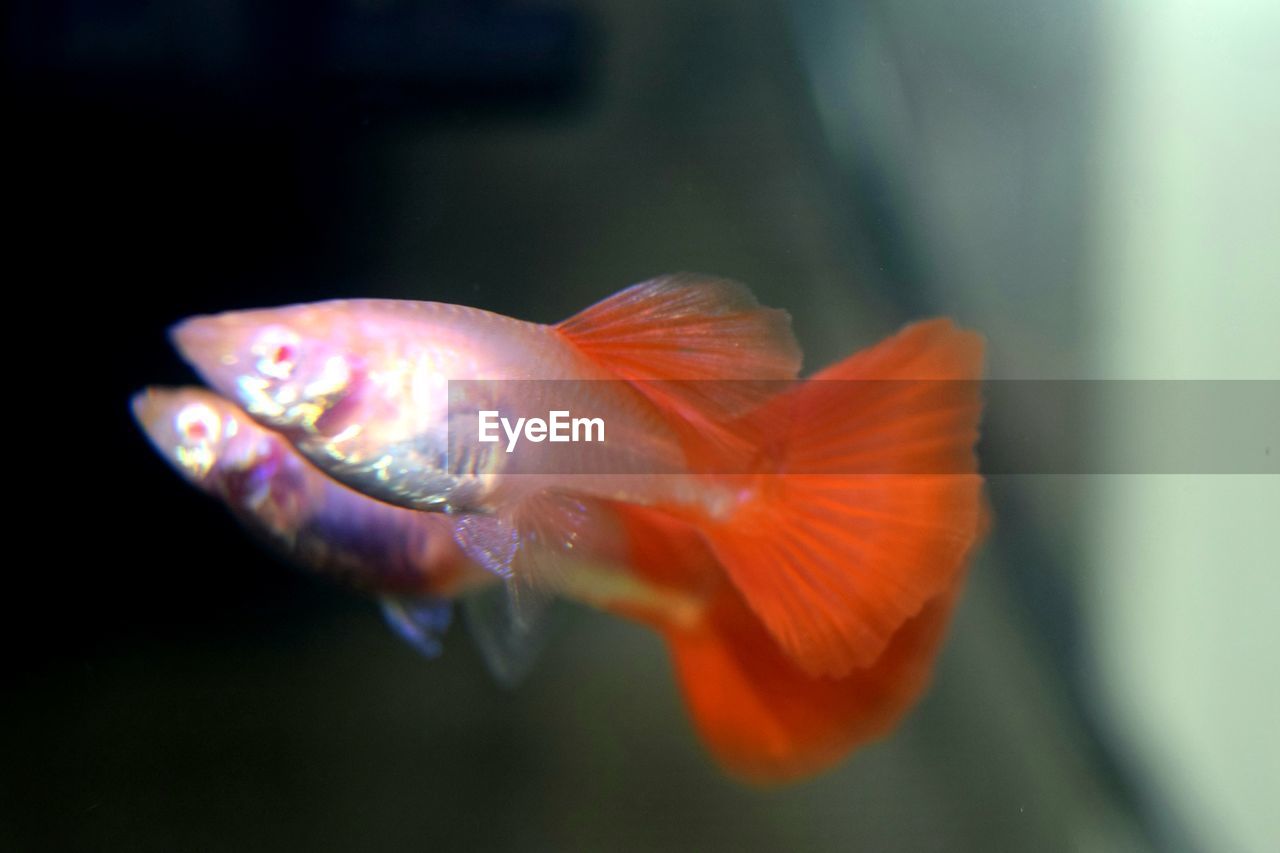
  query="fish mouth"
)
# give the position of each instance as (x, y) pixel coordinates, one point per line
(201, 340)
(213, 345)
(150, 405)
(153, 409)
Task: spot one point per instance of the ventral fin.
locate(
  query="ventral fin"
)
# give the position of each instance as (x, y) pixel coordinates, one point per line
(420, 622)
(529, 545)
(674, 335)
(508, 633)
(492, 541)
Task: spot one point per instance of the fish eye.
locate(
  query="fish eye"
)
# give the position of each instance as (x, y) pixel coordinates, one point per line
(277, 350)
(199, 431)
(198, 424)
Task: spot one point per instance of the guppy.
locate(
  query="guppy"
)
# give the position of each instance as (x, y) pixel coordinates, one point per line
(838, 511)
(406, 559)
(761, 716)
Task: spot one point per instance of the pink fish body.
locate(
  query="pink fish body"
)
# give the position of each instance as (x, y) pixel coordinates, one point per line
(362, 388)
(311, 519)
(406, 558)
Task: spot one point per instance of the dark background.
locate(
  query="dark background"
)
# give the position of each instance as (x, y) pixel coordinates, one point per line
(175, 688)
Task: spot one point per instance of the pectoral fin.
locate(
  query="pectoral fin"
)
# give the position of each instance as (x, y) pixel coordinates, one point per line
(509, 634)
(419, 622)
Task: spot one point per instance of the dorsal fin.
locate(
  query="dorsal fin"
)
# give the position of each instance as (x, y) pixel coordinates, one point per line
(690, 329)
(686, 326)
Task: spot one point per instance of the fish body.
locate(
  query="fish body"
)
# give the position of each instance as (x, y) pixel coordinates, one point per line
(310, 518)
(406, 559)
(362, 388)
(800, 544)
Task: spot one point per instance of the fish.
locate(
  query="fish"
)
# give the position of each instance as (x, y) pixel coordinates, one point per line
(405, 559)
(408, 560)
(825, 524)
(762, 718)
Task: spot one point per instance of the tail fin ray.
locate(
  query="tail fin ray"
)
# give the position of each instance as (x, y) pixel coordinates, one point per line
(869, 502)
(768, 721)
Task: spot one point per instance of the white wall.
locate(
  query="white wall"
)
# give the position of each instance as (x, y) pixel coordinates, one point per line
(1184, 593)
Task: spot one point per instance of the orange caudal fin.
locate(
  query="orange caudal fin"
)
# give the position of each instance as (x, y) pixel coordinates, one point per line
(762, 716)
(768, 721)
(866, 499)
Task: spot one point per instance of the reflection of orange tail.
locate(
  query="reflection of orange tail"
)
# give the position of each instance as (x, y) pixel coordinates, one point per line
(762, 716)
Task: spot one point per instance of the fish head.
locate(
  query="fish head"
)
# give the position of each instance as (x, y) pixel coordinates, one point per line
(201, 434)
(287, 367)
(224, 453)
(361, 388)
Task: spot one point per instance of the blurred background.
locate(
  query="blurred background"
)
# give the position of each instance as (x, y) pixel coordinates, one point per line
(1092, 183)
